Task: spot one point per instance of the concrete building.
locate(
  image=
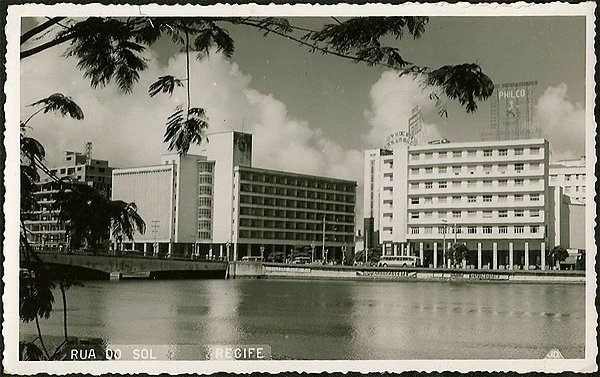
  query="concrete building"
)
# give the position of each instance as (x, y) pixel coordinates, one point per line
(218, 206)
(571, 176)
(44, 231)
(493, 196)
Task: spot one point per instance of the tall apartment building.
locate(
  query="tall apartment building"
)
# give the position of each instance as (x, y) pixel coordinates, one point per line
(217, 204)
(571, 176)
(492, 196)
(44, 231)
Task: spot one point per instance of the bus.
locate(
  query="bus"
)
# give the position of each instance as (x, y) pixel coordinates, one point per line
(252, 259)
(399, 261)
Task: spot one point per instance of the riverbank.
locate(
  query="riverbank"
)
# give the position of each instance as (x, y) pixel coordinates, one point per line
(236, 270)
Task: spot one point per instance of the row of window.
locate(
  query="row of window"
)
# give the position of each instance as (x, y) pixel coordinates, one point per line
(296, 193)
(291, 203)
(486, 229)
(293, 225)
(295, 181)
(474, 183)
(490, 152)
(568, 177)
(300, 215)
(486, 214)
(472, 169)
(294, 236)
(476, 199)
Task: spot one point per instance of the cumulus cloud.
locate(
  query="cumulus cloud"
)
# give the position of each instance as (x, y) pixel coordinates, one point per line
(128, 129)
(562, 122)
(392, 99)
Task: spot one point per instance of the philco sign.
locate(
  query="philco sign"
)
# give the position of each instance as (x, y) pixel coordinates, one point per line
(512, 94)
(398, 137)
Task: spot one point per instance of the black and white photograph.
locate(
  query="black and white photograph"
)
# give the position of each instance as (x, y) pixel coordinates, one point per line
(299, 187)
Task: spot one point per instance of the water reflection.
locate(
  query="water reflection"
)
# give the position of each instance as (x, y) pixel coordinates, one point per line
(333, 319)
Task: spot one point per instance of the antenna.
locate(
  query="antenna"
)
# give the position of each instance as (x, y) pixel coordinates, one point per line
(88, 152)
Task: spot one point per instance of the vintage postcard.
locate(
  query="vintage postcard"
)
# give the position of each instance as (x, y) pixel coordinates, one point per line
(303, 188)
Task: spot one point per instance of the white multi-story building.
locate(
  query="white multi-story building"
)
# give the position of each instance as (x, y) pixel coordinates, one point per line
(218, 205)
(570, 175)
(493, 196)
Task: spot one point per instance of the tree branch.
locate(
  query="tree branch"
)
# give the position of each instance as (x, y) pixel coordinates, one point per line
(38, 29)
(47, 45)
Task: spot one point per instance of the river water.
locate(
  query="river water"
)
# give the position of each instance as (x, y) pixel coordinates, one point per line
(328, 319)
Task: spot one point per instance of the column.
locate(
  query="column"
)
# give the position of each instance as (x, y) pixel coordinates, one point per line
(248, 250)
(210, 252)
(408, 249)
(526, 256)
(543, 255)
(421, 253)
(435, 255)
(262, 251)
(221, 251)
(510, 256)
(479, 255)
(170, 252)
(495, 255)
(235, 251)
(395, 247)
(145, 248)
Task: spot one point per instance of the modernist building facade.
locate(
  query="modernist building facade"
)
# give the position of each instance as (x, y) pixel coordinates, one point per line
(217, 205)
(571, 176)
(493, 196)
(44, 231)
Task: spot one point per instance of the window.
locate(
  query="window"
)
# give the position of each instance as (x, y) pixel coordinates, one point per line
(472, 199)
(414, 230)
(456, 184)
(486, 229)
(414, 215)
(502, 152)
(428, 170)
(442, 169)
(567, 177)
(471, 213)
(441, 229)
(427, 215)
(534, 166)
(414, 185)
(428, 200)
(534, 181)
(471, 169)
(487, 169)
(458, 230)
(534, 150)
(487, 198)
(534, 197)
(457, 154)
(487, 214)
(518, 229)
(471, 183)
(503, 229)
(442, 215)
(414, 156)
(487, 183)
(414, 200)
(503, 183)
(518, 151)
(456, 170)
(518, 198)
(502, 168)
(471, 229)
(414, 171)
(487, 153)
(534, 213)
(518, 182)
(428, 155)
(456, 199)
(502, 198)
(442, 154)
(519, 167)
(534, 229)
(456, 214)
(428, 185)
(428, 230)
(503, 213)
(442, 199)
(442, 184)
(519, 213)
(553, 178)
(471, 153)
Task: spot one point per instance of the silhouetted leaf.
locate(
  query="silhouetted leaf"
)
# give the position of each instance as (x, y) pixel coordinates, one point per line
(61, 104)
(182, 131)
(165, 84)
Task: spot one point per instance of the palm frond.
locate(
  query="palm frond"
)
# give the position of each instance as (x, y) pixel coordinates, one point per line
(182, 131)
(213, 36)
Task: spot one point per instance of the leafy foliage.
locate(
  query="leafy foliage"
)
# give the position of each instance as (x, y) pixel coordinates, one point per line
(211, 36)
(28, 351)
(35, 293)
(185, 128)
(125, 219)
(165, 84)
(559, 253)
(60, 104)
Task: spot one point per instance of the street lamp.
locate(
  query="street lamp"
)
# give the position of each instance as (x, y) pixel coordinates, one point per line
(444, 245)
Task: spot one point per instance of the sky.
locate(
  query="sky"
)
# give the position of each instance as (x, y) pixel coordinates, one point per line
(317, 114)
